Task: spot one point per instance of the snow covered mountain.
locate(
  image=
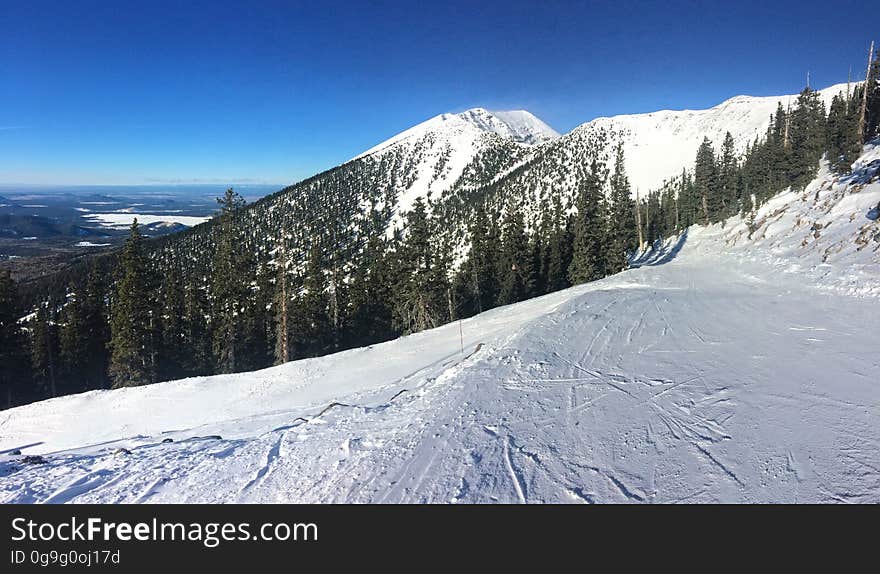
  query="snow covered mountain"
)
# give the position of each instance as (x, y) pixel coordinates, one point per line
(658, 145)
(518, 125)
(449, 149)
(461, 160)
(735, 364)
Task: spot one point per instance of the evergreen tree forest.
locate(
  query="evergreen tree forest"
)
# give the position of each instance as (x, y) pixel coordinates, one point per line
(722, 185)
(324, 265)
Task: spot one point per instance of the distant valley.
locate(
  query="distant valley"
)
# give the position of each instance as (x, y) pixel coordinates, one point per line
(45, 228)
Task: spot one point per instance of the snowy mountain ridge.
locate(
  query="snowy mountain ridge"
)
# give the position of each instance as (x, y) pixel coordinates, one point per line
(433, 156)
(495, 155)
(520, 126)
(658, 145)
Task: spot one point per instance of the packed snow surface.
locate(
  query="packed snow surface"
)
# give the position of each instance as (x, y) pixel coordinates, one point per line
(735, 363)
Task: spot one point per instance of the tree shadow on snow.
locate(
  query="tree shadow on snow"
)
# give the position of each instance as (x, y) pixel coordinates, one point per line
(660, 252)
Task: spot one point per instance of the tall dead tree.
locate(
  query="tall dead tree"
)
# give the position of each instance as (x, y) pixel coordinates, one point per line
(848, 91)
(785, 140)
(283, 353)
(639, 221)
(865, 94)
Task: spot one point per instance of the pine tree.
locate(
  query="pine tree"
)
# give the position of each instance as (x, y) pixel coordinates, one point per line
(196, 330)
(230, 292)
(589, 248)
(687, 201)
(872, 100)
(73, 342)
(282, 304)
(807, 138)
(706, 181)
(257, 345)
(842, 142)
(654, 218)
(869, 88)
(541, 244)
(480, 282)
(420, 298)
(773, 156)
(727, 176)
(14, 363)
(97, 328)
(44, 351)
(173, 345)
(310, 329)
(369, 314)
(622, 231)
(560, 249)
(132, 357)
(515, 271)
(669, 209)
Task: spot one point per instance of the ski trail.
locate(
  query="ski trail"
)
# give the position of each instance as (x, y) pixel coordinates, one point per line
(514, 477)
(151, 489)
(719, 464)
(271, 456)
(79, 486)
(624, 490)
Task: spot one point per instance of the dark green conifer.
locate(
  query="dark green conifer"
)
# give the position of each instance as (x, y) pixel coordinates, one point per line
(132, 357)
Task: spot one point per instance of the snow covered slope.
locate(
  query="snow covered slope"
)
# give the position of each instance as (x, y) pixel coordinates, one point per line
(518, 125)
(725, 367)
(658, 145)
(431, 157)
(830, 231)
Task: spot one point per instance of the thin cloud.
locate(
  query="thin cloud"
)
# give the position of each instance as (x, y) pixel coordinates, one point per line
(214, 180)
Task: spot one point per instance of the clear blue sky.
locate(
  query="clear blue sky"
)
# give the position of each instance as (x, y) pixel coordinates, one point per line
(135, 92)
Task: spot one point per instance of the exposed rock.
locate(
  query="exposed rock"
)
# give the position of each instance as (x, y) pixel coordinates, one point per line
(33, 459)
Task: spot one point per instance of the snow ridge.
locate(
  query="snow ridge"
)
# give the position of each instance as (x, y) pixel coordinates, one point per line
(658, 145)
(520, 126)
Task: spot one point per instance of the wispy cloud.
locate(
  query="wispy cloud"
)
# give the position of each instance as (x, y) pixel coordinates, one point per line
(212, 180)
(6, 128)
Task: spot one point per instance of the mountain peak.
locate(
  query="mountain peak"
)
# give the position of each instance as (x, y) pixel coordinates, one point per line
(519, 125)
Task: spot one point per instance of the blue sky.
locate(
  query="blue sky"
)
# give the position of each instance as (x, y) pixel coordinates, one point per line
(160, 92)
